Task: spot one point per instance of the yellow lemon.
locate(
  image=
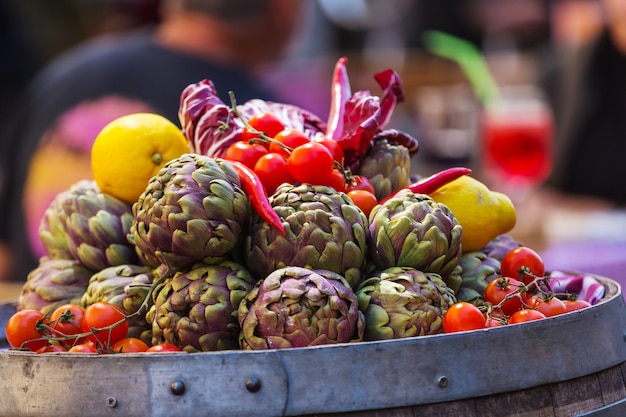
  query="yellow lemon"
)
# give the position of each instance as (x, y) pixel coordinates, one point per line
(130, 150)
(483, 214)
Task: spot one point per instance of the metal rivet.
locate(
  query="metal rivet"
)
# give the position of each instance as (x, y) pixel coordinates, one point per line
(442, 382)
(253, 384)
(111, 402)
(177, 387)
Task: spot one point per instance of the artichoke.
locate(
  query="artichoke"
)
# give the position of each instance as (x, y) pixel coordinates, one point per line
(477, 270)
(191, 211)
(412, 230)
(323, 230)
(500, 246)
(298, 307)
(85, 224)
(387, 166)
(403, 302)
(197, 310)
(126, 286)
(52, 283)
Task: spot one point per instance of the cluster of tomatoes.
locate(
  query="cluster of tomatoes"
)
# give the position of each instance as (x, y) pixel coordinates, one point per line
(282, 155)
(100, 328)
(519, 295)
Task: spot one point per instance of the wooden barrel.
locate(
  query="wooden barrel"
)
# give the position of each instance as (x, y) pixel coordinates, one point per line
(567, 365)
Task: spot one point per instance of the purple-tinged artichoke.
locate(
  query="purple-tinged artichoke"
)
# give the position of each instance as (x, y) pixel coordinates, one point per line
(85, 224)
(413, 230)
(403, 302)
(297, 307)
(500, 246)
(196, 310)
(52, 283)
(323, 230)
(477, 270)
(387, 166)
(191, 211)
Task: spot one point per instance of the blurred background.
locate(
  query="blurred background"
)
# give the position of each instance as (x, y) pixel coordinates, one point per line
(523, 43)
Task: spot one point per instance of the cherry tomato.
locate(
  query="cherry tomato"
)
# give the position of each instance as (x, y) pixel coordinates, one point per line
(246, 153)
(129, 345)
(497, 292)
(365, 200)
(335, 148)
(272, 170)
(462, 316)
(527, 314)
(360, 182)
(52, 348)
(289, 137)
(164, 347)
(574, 305)
(87, 347)
(337, 180)
(520, 262)
(67, 320)
(549, 306)
(262, 122)
(101, 315)
(496, 319)
(21, 329)
(311, 163)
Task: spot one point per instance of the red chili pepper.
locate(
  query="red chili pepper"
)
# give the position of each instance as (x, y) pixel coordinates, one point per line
(256, 193)
(434, 182)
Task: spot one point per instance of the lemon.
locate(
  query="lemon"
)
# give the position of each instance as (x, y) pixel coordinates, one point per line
(130, 150)
(483, 214)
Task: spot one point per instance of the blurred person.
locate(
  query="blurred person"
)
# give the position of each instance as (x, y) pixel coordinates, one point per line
(47, 145)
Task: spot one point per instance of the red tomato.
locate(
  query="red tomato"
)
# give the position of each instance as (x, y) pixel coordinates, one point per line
(262, 122)
(87, 347)
(574, 305)
(311, 163)
(521, 316)
(67, 320)
(520, 262)
(337, 180)
(503, 293)
(52, 348)
(364, 200)
(129, 345)
(101, 315)
(463, 316)
(21, 329)
(495, 320)
(289, 137)
(272, 171)
(335, 149)
(549, 306)
(246, 153)
(360, 182)
(163, 347)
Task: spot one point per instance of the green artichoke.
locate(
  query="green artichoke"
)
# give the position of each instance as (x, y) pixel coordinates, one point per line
(403, 302)
(387, 166)
(197, 310)
(412, 230)
(477, 270)
(323, 230)
(85, 224)
(52, 283)
(191, 211)
(298, 307)
(125, 286)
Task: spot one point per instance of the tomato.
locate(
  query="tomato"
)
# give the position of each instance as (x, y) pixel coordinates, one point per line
(66, 320)
(520, 262)
(101, 315)
(87, 347)
(289, 137)
(311, 163)
(21, 329)
(51, 349)
(503, 293)
(163, 347)
(272, 170)
(337, 180)
(462, 316)
(364, 200)
(129, 345)
(521, 316)
(495, 319)
(246, 153)
(359, 182)
(335, 148)
(549, 306)
(262, 122)
(574, 305)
